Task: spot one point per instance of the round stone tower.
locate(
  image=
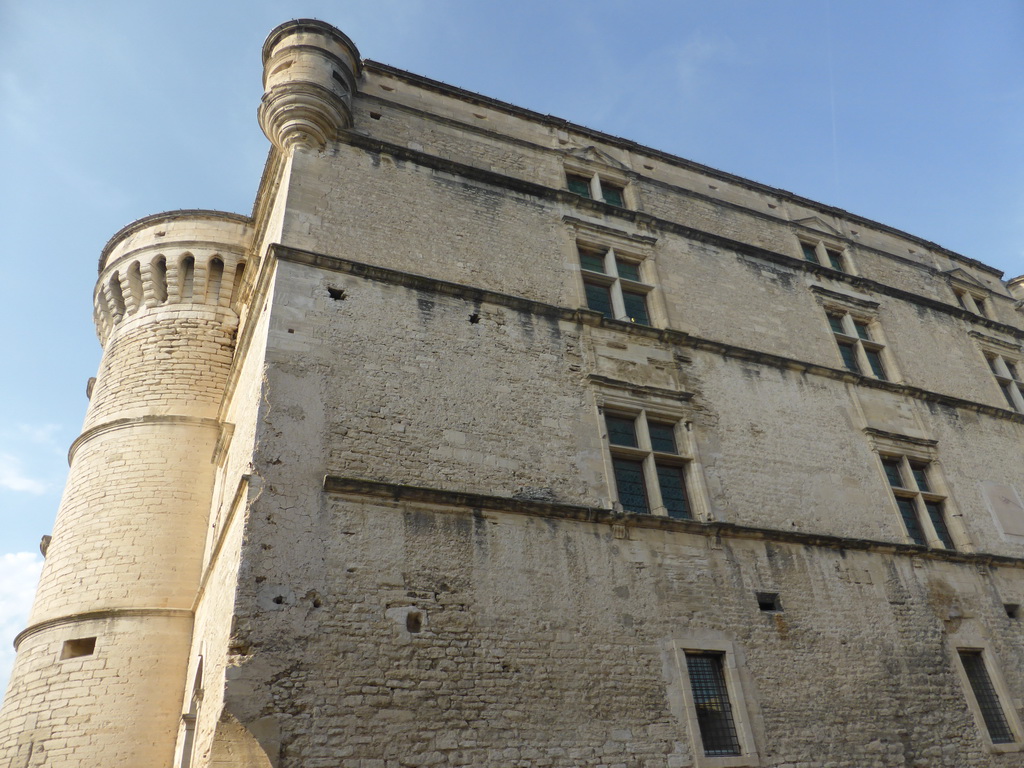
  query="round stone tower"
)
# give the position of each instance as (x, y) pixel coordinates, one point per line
(100, 671)
(310, 74)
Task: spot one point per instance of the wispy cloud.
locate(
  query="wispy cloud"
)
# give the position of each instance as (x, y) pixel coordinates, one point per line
(14, 478)
(19, 574)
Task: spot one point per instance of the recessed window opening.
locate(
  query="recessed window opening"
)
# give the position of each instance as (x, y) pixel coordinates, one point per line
(414, 622)
(186, 276)
(819, 253)
(236, 283)
(860, 352)
(135, 285)
(338, 294)
(81, 646)
(718, 732)
(974, 303)
(214, 280)
(769, 602)
(649, 471)
(920, 507)
(158, 274)
(1012, 610)
(596, 188)
(986, 697)
(613, 285)
(1007, 373)
(116, 296)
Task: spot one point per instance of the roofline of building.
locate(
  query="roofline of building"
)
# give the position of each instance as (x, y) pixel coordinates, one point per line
(476, 98)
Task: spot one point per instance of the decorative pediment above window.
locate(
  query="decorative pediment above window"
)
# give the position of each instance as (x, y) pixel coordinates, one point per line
(592, 156)
(819, 225)
(964, 278)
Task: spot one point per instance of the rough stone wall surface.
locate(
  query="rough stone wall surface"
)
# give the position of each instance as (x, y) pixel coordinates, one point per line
(542, 642)
(82, 712)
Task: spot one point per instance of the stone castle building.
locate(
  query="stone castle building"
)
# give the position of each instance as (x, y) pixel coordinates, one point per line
(492, 440)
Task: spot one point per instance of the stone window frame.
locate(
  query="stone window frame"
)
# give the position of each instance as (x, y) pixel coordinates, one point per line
(825, 253)
(914, 452)
(1004, 360)
(739, 687)
(970, 639)
(974, 301)
(618, 246)
(599, 181)
(663, 411)
(855, 315)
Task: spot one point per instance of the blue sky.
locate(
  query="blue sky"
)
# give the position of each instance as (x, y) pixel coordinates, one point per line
(910, 113)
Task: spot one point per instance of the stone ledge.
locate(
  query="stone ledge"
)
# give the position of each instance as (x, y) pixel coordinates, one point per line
(110, 613)
(350, 486)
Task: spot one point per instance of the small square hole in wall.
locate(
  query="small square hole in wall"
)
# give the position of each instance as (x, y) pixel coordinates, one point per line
(81, 646)
(1012, 610)
(768, 601)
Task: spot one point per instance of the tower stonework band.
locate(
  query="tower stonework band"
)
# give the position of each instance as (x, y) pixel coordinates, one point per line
(488, 439)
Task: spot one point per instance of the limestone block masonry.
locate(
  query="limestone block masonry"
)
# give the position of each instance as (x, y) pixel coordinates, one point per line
(490, 440)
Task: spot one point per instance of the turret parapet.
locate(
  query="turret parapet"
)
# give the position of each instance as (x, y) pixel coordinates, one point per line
(176, 258)
(1016, 287)
(310, 72)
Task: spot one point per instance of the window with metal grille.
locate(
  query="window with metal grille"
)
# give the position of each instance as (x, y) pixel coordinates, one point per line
(986, 697)
(1007, 373)
(613, 285)
(921, 509)
(819, 253)
(718, 733)
(860, 352)
(648, 468)
(595, 188)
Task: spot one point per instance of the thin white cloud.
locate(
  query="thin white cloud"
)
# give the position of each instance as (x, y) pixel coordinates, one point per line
(14, 478)
(19, 574)
(41, 434)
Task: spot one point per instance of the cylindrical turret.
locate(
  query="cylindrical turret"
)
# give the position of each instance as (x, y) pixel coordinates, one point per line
(310, 73)
(99, 675)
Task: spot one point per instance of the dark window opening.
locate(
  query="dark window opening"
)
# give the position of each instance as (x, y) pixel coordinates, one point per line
(413, 622)
(769, 601)
(82, 646)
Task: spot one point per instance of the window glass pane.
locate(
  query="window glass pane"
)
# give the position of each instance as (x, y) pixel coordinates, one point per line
(628, 269)
(711, 700)
(612, 195)
(629, 481)
(939, 523)
(636, 307)
(579, 185)
(893, 472)
(1007, 393)
(663, 437)
(809, 253)
(592, 261)
(920, 477)
(875, 361)
(673, 491)
(836, 323)
(985, 694)
(862, 329)
(599, 298)
(835, 258)
(909, 513)
(621, 430)
(849, 357)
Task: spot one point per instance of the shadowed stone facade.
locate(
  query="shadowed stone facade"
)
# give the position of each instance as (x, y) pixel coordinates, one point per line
(492, 440)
